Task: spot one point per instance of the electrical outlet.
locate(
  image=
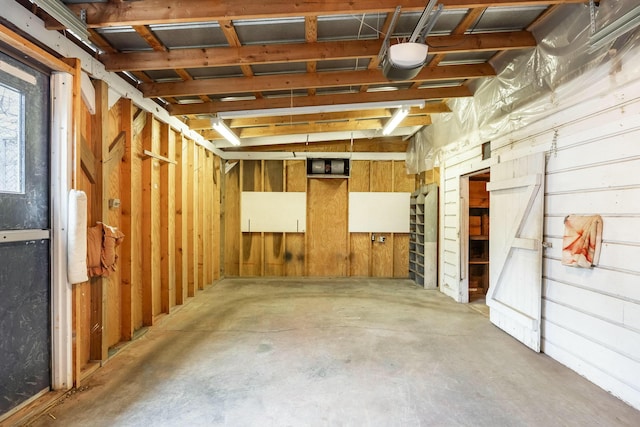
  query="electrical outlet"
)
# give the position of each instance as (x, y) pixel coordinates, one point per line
(381, 239)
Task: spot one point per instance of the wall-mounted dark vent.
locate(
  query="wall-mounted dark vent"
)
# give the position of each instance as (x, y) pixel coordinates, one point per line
(328, 168)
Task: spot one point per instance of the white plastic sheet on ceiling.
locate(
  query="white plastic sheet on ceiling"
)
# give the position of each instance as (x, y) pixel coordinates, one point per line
(530, 85)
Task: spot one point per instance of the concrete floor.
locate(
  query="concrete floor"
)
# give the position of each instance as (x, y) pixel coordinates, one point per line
(332, 353)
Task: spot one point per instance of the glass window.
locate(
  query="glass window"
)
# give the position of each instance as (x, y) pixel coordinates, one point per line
(11, 140)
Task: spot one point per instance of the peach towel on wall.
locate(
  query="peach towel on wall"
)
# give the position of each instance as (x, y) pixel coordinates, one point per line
(582, 240)
(102, 241)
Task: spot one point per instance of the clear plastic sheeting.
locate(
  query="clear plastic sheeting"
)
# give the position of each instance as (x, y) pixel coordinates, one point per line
(558, 73)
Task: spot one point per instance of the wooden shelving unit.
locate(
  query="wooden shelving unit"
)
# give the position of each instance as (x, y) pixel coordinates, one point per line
(423, 241)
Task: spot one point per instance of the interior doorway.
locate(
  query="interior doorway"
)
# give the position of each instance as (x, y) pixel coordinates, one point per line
(474, 235)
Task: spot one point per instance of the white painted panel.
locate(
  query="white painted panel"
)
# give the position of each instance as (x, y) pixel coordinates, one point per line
(450, 233)
(632, 316)
(616, 256)
(620, 174)
(609, 361)
(586, 300)
(618, 147)
(451, 270)
(451, 257)
(604, 333)
(617, 229)
(610, 335)
(618, 388)
(273, 212)
(379, 212)
(451, 209)
(608, 282)
(603, 202)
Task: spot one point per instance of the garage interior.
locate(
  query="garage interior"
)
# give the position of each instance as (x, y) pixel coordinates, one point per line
(283, 254)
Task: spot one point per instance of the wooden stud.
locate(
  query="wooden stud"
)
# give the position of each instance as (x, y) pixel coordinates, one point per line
(192, 218)
(181, 239)
(167, 219)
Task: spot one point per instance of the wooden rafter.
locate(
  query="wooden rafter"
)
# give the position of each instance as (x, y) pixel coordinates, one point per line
(166, 12)
(303, 81)
(304, 52)
(318, 100)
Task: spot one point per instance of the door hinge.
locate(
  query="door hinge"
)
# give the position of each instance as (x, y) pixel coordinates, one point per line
(547, 245)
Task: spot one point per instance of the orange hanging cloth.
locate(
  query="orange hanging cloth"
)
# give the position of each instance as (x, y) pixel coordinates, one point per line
(582, 240)
(102, 241)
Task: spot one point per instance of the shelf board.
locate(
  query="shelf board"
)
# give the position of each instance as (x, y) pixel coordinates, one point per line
(480, 237)
(478, 262)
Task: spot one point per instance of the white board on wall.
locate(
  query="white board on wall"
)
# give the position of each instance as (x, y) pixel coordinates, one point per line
(379, 212)
(273, 212)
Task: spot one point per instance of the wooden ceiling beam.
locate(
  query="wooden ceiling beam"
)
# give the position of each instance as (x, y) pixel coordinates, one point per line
(380, 113)
(319, 100)
(169, 12)
(303, 52)
(384, 144)
(280, 82)
(305, 128)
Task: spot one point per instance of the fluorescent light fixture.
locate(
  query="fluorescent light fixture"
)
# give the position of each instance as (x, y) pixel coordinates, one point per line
(609, 33)
(220, 127)
(395, 120)
(317, 109)
(63, 15)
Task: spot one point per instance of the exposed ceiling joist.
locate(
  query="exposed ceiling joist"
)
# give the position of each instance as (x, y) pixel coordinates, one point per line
(319, 100)
(147, 12)
(301, 52)
(303, 81)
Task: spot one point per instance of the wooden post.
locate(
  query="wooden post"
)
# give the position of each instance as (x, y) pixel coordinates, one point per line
(127, 222)
(99, 204)
(200, 209)
(182, 267)
(191, 213)
(167, 219)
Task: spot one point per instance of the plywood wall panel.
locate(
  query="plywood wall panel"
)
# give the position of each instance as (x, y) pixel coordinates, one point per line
(327, 201)
(401, 255)
(251, 254)
(382, 256)
(273, 175)
(402, 181)
(360, 254)
(274, 254)
(232, 222)
(296, 175)
(251, 175)
(181, 241)
(382, 176)
(294, 254)
(360, 176)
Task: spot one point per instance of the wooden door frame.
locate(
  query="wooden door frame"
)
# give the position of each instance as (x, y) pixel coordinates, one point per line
(463, 286)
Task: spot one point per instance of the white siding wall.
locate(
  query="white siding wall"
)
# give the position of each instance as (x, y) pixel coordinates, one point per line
(591, 317)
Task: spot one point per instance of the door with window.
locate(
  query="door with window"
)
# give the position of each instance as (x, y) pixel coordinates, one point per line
(25, 295)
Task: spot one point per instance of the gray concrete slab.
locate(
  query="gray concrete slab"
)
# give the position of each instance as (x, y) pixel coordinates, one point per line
(270, 352)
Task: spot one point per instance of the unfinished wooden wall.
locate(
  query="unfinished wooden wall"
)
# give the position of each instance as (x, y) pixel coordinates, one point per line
(169, 193)
(326, 248)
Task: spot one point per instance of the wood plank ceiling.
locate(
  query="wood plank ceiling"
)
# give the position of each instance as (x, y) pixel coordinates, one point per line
(255, 64)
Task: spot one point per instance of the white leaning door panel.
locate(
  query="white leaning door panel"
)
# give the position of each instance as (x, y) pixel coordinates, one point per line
(515, 247)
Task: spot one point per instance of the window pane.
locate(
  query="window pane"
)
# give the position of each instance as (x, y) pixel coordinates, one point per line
(11, 140)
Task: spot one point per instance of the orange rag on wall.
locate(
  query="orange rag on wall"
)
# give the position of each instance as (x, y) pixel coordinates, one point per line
(582, 240)
(102, 241)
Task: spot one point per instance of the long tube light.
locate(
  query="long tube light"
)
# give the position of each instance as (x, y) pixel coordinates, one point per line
(63, 15)
(609, 33)
(395, 120)
(220, 127)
